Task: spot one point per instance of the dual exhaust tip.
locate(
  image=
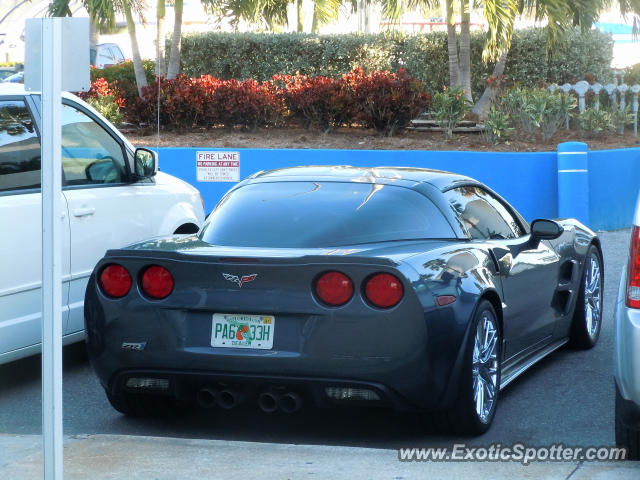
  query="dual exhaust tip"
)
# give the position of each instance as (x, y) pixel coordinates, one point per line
(269, 402)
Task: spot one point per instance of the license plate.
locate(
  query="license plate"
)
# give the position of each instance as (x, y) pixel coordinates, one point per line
(234, 330)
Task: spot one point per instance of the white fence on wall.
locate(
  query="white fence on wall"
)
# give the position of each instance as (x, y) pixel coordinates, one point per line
(618, 93)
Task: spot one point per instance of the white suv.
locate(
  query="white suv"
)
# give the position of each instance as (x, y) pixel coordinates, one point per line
(109, 201)
(626, 349)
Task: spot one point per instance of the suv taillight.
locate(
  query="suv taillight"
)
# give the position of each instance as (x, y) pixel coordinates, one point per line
(157, 282)
(633, 270)
(115, 281)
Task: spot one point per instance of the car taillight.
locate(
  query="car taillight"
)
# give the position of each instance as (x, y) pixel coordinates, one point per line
(633, 270)
(334, 288)
(115, 281)
(383, 290)
(157, 282)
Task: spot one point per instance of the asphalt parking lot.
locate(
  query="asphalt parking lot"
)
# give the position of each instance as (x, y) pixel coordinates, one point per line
(567, 398)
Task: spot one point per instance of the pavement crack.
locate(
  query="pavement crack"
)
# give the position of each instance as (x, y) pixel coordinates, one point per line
(574, 470)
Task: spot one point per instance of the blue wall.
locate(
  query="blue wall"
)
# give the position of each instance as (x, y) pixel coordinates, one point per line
(529, 181)
(614, 180)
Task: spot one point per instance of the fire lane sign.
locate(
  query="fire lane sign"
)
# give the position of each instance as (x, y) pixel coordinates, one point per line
(215, 166)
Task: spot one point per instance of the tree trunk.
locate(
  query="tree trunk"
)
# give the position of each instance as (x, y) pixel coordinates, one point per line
(176, 42)
(300, 28)
(314, 21)
(465, 49)
(452, 46)
(138, 68)
(160, 39)
(481, 108)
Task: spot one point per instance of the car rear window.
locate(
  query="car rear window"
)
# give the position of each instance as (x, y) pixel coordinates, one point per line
(322, 214)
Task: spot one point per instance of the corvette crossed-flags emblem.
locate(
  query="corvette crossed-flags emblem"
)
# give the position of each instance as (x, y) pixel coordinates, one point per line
(240, 280)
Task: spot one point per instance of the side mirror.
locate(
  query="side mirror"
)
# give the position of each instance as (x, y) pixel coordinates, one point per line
(543, 229)
(145, 163)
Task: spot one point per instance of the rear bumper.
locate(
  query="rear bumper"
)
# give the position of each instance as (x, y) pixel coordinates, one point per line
(185, 384)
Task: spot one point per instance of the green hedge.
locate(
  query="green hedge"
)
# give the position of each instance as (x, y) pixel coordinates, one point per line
(262, 55)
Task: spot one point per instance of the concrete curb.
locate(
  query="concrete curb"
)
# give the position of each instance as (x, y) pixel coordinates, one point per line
(119, 456)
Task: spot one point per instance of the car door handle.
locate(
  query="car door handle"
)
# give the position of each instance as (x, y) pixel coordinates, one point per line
(84, 212)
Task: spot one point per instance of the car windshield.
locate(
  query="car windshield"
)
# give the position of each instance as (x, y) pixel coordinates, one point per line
(322, 214)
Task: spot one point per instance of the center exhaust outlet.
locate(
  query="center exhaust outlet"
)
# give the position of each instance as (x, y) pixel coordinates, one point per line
(290, 402)
(206, 397)
(228, 399)
(268, 402)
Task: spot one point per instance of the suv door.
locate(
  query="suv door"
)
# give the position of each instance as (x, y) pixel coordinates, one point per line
(525, 269)
(106, 209)
(21, 230)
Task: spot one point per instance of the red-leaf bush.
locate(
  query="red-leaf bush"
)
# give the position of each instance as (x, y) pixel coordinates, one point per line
(181, 103)
(319, 101)
(382, 100)
(386, 101)
(248, 104)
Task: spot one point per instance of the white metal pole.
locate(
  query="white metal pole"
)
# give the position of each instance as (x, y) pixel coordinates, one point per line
(51, 258)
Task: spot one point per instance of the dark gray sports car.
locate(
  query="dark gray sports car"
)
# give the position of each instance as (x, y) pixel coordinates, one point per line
(401, 287)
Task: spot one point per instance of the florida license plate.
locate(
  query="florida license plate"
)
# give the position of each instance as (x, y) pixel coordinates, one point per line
(242, 331)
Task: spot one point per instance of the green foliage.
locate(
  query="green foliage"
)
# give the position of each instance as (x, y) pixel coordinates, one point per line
(538, 112)
(497, 126)
(260, 56)
(107, 107)
(632, 74)
(122, 77)
(593, 123)
(448, 108)
(622, 118)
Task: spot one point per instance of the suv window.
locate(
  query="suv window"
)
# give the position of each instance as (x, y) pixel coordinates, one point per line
(90, 155)
(322, 214)
(483, 215)
(104, 57)
(117, 53)
(19, 147)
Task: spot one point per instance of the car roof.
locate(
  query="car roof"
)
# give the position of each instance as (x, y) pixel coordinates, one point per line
(438, 178)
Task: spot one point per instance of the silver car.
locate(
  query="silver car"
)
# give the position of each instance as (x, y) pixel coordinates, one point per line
(626, 347)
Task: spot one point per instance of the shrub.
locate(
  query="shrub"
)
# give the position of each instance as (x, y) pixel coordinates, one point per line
(108, 107)
(249, 104)
(448, 108)
(497, 126)
(181, 103)
(123, 78)
(320, 101)
(538, 112)
(386, 101)
(105, 99)
(592, 122)
(632, 74)
(260, 56)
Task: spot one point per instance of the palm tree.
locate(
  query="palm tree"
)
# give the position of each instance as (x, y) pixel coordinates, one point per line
(160, 13)
(176, 41)
(102, 14)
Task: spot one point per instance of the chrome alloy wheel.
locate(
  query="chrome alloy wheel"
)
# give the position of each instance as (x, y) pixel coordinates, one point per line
(592, 294)
(485, 366)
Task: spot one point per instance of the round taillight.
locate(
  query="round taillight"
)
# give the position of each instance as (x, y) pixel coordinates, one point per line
(115, 281)
(334, 288)
(157, 282)
(384, 290)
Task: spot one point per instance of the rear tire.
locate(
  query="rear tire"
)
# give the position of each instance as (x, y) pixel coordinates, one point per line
(587, 314)
(145, 405)
(626, 437)
(480, 378)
